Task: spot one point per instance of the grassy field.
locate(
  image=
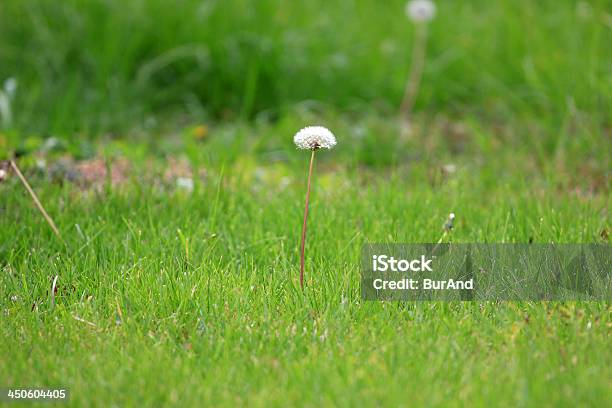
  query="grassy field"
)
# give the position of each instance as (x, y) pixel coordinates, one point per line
(194, 297)
(168, 295)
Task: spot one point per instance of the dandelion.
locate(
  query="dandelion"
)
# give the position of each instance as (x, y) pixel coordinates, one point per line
(314, 137)
(419, 11)
(311, 138)
(447, 227)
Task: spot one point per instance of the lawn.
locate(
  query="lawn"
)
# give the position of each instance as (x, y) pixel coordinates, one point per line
(169, 296)
(169, 293)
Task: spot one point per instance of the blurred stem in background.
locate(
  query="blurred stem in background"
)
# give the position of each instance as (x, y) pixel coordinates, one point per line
(414, 78)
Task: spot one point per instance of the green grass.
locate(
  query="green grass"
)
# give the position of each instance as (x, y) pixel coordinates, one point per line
(169, 297)
(195, 297)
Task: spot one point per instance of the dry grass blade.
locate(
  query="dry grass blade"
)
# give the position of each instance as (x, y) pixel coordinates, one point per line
(87, 322)
(36, 200)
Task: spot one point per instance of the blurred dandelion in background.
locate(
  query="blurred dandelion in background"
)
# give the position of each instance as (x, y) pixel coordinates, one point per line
(420, 12)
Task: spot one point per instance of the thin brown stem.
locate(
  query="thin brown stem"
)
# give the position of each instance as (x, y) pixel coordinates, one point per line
(35, 199)
(416, 71)
(305, 218)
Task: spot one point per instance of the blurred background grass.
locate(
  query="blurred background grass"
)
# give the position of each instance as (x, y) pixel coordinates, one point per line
(90, 67)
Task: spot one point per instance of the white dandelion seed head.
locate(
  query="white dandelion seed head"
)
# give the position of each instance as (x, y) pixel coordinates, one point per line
(451, 216)
(420, 10)
(314, 137)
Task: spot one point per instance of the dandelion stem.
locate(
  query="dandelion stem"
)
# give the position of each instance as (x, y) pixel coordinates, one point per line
(35, 199)
(444, 234)
(305, 218)
(414, 77)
